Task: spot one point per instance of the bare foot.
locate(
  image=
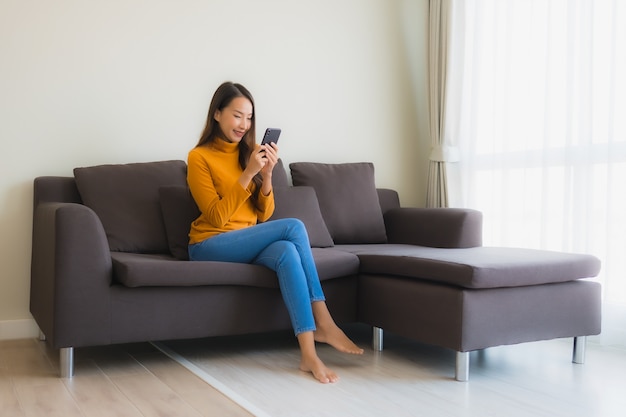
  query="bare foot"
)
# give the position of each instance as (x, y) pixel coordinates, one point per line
(335, 337)
(319, 370)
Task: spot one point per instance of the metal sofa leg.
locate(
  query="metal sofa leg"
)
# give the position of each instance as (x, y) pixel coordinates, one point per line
(377, 339)
(462, 366)
(580, 345)
(66, 356)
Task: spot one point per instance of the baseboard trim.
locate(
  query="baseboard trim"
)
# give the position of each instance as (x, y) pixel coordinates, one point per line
(18, 329)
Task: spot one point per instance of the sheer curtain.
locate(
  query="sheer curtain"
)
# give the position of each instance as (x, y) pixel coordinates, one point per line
(539, 112)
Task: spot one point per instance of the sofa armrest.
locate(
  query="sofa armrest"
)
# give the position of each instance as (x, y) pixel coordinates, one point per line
(434, 227)
(71, 274)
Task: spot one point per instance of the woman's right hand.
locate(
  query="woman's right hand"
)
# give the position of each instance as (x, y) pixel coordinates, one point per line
(255, 164)
(257, 160)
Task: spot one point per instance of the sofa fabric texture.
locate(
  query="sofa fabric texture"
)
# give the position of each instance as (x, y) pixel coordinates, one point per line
(279, 175)
(479, 267)
(347, 197)
(126, 199)
(179, 210)
(156, 270)
(301, 202)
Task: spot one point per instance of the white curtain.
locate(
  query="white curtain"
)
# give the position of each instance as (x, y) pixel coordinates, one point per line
(442, 150)
(540, 117)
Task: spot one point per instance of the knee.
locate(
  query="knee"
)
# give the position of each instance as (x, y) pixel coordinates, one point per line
(294, 230)
(288, 252)
(289, 248)
(296, 226)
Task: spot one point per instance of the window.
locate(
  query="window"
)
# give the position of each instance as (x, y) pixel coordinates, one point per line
(539, 113)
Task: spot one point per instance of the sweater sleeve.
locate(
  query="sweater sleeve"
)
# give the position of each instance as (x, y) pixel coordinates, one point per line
(265, 206)
(217, 209)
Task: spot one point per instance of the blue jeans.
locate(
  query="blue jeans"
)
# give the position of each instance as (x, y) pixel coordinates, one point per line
(280, 245)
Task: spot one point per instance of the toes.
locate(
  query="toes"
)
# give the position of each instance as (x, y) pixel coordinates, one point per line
(327, 377)
(321, 373)
(322, 379)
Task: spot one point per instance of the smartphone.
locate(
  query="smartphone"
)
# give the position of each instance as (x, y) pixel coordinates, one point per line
(271, 135)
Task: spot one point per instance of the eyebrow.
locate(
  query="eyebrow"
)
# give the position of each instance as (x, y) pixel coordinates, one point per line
(242, 113)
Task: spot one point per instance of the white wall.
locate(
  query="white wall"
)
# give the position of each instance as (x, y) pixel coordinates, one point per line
(92, 82)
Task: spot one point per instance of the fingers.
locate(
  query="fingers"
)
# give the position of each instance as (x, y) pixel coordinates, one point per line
(257, 161)
(270, 153)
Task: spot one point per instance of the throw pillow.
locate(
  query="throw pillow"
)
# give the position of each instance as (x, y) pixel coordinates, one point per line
(347, 197)
(301, 203)
(279, 175)
(179, 211)
(126, 199)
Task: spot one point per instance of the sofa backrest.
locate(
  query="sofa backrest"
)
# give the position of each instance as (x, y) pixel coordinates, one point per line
(147, 207)
(51, 189)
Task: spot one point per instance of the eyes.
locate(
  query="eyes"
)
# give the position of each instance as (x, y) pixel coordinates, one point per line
(237, 116)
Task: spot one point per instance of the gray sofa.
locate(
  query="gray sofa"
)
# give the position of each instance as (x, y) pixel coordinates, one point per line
(110, 266)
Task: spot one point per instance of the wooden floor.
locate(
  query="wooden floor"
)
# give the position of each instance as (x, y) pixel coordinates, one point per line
(410, 379)
(534, 379)
(128, 381)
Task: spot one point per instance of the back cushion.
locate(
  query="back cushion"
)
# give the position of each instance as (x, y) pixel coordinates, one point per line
(126, 199)
(179, 211)
(347, 197)
(301, 203)
(279, 175)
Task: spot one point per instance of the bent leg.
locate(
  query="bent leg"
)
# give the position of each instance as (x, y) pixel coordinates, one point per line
(283, 257)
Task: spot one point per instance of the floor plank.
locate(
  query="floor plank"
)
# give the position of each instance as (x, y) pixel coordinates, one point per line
(153, 397)
(96, 395)
(192, 390)
(9, 405)
(47, 399)
(132, 380)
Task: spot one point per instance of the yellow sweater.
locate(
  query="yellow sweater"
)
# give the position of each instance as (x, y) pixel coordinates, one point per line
(213, 174)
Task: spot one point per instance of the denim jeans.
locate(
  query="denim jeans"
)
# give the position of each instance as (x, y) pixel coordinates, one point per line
(280, 245)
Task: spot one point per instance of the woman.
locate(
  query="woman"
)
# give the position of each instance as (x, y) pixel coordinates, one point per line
(230, 178)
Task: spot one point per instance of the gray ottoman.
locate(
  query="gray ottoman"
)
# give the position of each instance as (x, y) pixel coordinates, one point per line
(474, 298)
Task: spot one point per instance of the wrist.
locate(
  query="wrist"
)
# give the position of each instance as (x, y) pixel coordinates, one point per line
(245, 179)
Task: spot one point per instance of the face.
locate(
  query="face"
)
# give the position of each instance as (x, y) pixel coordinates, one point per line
(235, 119)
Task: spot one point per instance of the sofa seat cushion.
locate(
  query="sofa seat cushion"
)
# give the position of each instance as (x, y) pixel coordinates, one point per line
(480, 267)
(145, 270)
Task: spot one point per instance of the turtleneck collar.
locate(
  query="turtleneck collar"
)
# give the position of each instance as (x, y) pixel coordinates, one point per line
(227, 147)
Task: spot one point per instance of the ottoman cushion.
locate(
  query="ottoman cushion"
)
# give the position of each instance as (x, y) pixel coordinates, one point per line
(480, 267)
